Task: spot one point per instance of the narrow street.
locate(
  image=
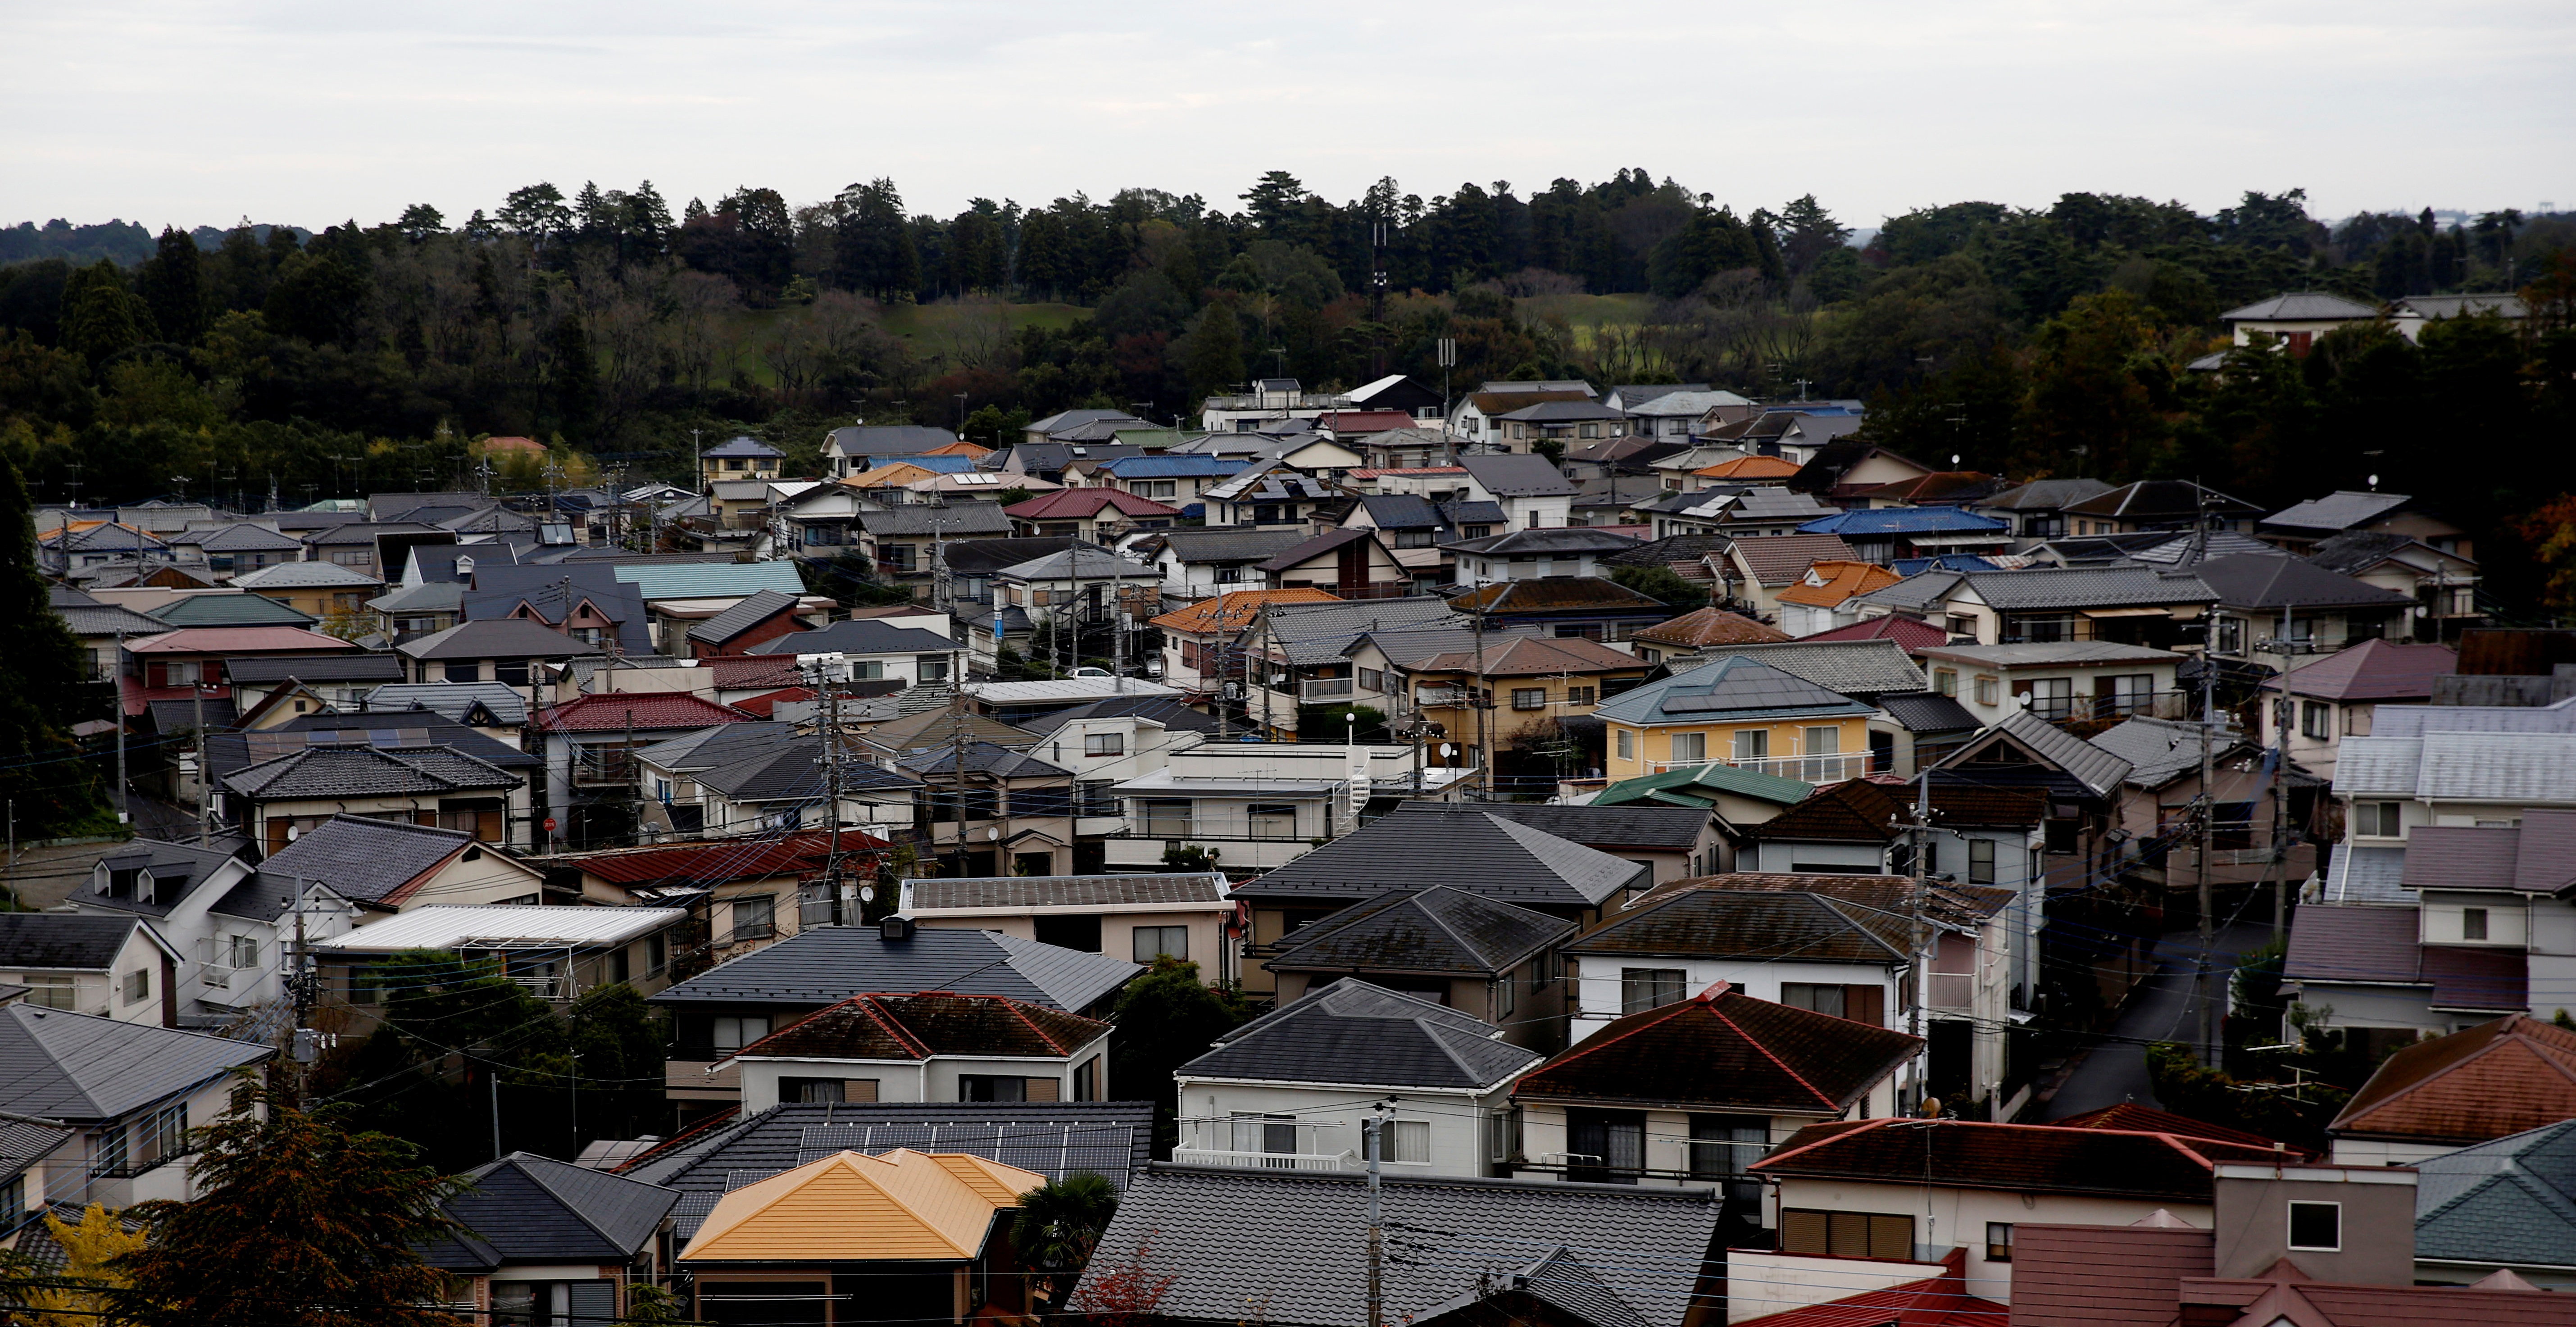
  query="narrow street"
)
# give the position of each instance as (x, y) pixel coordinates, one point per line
(2163, 1007)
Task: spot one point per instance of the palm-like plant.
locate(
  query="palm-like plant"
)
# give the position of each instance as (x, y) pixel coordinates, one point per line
(1058, 1224)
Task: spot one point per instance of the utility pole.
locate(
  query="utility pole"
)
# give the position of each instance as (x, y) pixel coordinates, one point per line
(123, 816)
(1478, 702)
(197, 694)
(2208, 840)
(832, 793)
(2281, 721)
(1374, 1129)
(1920, 836)
(1448, 353)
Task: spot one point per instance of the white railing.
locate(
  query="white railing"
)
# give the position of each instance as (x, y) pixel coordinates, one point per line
(216, 976)
(1810, 769)
(1209, 1156)
(1429, 697)
(1321, 688)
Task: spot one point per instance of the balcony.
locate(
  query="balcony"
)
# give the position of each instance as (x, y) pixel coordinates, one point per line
(594, 767)
(1808, 769)
(1430, 698)
(1208, 1156)
(1326, 688)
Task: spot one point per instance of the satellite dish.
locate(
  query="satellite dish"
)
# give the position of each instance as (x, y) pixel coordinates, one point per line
(1447, 750)
(867, 893)
(2374, 481)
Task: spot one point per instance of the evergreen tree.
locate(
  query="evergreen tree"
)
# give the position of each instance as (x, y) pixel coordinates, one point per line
(171, 285)
(573, 372)
(420, 221)
(647, 223)
(1213, 362)
(872, 247)
(1166, 1018)
(99, 316)
(1807, 233)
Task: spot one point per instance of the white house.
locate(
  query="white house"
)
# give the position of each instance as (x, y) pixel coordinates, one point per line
(930, 1046)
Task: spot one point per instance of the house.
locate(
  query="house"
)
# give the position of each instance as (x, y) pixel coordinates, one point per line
(542, 1240)
(1533, 495)
(1083, 586)
(2036, 511)
(1478, 955)
(2328, 699)
(225, 608)
(1908, 633)
(1459, 682)
(98, 626)
(222, 930)
(866, 650)
(2300, 528)
(1656, 412)
(2443, 585)
(1475, 418)
(1591, 607)
(738, 459)
(2490, 1081)
(1109, 741)
(930, 1046)
(170, 665)
(1189, 916)
(762, 617)
(1738, 470)
(2271, 610)
(1000, 809)
(2294, 320)
(1200, 563)
(508, 650)
(1673, 840)
(1254, 806)
(242, 546)
(1096, 514)
(1698, 630)
(556, 953)
(1534, 553)
(107, 964)
(905, 542)
(589, 745)
(128, 1092)
(1462, 847)
(1889, 533)
(1298, 653)
(1200, 650)
(743, 895)
(2159, 504)
(718, 1012)
(1353, 563)
(1560, 422)
(1873, 672)
(1736, 511)
(1755, 570)
(341, 681)
(1269, 493)
(2258, 819)
(283, 796)
(1692, 1091)
(321, 590)
(928, 1232)
(1822, 599)
(2132, 605)
(2059, 680)
(1742, 713)
(1019, 702)
(1191, 1223)
(1413, 527)
(1174, 481)
(2507, 1204)
(1805, 432)
(1621, 501)
(781, 785)
(1290, 1089)
(1894, 1188)
(847, 450)
(1734, 798)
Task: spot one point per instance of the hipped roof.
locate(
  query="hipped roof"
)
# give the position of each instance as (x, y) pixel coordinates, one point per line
(849, 1207)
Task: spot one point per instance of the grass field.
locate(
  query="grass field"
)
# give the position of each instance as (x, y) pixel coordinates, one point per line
(949, 316)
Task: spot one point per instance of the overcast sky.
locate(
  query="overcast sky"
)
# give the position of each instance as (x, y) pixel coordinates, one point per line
(310, 111)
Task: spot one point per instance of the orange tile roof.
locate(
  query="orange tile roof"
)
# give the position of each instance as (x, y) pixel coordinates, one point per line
(1828, 584)
(849, 1207)
(961, 447)
(1235, 609)
(1746, 469)
(894, 473)
(2494, 1079)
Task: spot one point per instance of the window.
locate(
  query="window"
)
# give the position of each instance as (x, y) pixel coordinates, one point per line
(2316, 719)
(993, 1087)
(13, 1201)
(930, 667)
(1162, 488)
(754, 917)
(1999, 1241)
(1373, 679)
(1405, 1140)
(2378, 820)
(51, 990)
(2317, 1226)
(1581, 695)
(1753, 744)
(1986, 691)
(810, 1090)
(1822, 741)
(2049, 697)
(1721, 1146)
(1104, 744)
(1981, 861)
(1959, 625)
(1627, 745)
(239, 951)
(1641, 989)
(1272, 820)
(1476, 531)
(107, 1154)
(1946, 681)
(1507, 994)
(2473, 923)
(1811, 995)
(1606, 1146)
(2130, 693)
(730, 1033)
(137, 986)
(1167, 820)
(2231, 636)
(1153, 942)
(1846, 1234)
(1529, 698)
(464, 671)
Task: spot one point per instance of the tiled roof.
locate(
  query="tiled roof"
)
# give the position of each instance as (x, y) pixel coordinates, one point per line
(2373, 670)
(2300, 306)
(1296, 555)
(1611, 828)
(1318, 633)
(2527, 768)
(1709, 626)
(881, 1026)
(1906, 521)
(2041, 588)
(1749, 469)
(365, 860)
(351, 667)
(1734, 688)
(1196, 1223)
(751, 611)
(1827, 584)
(1084, 503)
(1700, 785)
(934, 894)
(1727, 924)
(1911, 633)
(1055, 1138)
(1935, 1301)
(1356, 1033)
(451, 701)
(2367, 875)
(1230, 544)
(240, 640)
(1169, 711)
(1530, 656)
(1852, 668)
(2510, 1201)
(2131, 1117)
(707, 580)
(2253, 581)
(2161, 499)
(1782, 559)
(856, 635)
(340, 772)
(77, 1068)
(2161, 750)
(1436, 930)
(1724, 1050)
(917, 520)
(1462, 847)
(830, 964)
(2353, 943)
(2086, 766)
(1551, 541)
(715, 862)
(526, 1208)
(982, 758)
(68, 941)
(2495, 1079)
(900, 1205)
(1964, 907)
(745, 446)
(1927, 712)
(1556, 594)
(497, 638)
(639, 710)
(1234, 610)
(2027, 1158)
(2339, 510)
(1516, 475)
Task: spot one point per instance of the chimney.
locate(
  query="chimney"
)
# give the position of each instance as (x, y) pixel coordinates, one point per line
(2350, 1224)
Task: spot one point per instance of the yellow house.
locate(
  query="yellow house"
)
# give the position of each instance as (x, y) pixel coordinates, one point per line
(324, 590)
(1738, 712)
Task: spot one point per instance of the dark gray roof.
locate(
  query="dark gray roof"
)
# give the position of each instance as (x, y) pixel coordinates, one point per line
(78, 1068)
(1400, 511)
(2039, 588)
(1230, 544)
(64, 941)
(1764, 925)
(452, 701)
(1569, 1283)
(1440, 930)
(1319, 632)
(799, 772)
(2096, 770)
(2339, 510)
(186, 864)
(1927, 712)
(753, 609)
(829, 964)
(920, 519)
(353, 667)
(1676, 548)
(1061, 891)
(1111, 1139)
(1517, 475)
(2044, 494)
(1867, 668)
(334, 772)
(2512, 1200)
(2159, 750)
(1285, 1242)
(859, 635)
(1461, 846)
(887, 439)
(2357, 551)
(719, 745)
(526, 1208)
(1545, 542)
(497, 638)
(181, 716)
(97, 619)
(1355, 1033)
(405, 732)
(2249, 580)
(1608, 828)
(1736, 685)
(364, 859)
(2300, 306)
(982, 757)
(1170, 713)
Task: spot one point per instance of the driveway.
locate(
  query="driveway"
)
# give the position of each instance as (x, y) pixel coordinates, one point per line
(2164, 1007)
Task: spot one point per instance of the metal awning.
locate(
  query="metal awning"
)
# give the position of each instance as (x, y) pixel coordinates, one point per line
(2122, 612)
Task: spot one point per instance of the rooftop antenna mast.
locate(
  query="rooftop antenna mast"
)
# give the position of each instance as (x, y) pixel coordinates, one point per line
(1377, 297)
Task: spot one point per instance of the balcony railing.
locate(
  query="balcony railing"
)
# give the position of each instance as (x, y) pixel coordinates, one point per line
(544, 988)
(593, 767)
(1325, 688)
(1435, 697)
(1808, 769)
(1208, 1156)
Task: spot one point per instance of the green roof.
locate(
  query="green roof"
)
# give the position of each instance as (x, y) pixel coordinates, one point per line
(231, 610)
(709, 580)
(1677, 786)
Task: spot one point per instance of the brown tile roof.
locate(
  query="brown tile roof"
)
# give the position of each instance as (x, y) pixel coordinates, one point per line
(2130, 1117)
(1864, 811)
(638, 710)
(2373, 670)
(1550, 594)
(2293, 1298)
(1783, 558)
(1841, 580)
(2022, 1158)
(2494, 1079)
(1503, 403)
(918, 1026)
(1943, 903)
(1526, 656)
(2104, 1276)
(1759, 924)
(1725, 1050)
(1909, 632)
(1235, 609)
(1711, 626)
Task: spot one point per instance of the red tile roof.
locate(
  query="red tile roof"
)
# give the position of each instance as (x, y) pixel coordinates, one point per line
(1235, 609)
(640, 710)
(1939, 1301)
(1365, 421)
(1970, 1154)
(1723, 1048)
(736, 671)
(2131, 1117)
(716, 862)
(1912, 633)
(1072, 504)
(2494, 1079)
(927, 1023)
(765, 704)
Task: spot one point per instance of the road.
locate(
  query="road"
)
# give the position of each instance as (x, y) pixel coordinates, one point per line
(2162, 1008)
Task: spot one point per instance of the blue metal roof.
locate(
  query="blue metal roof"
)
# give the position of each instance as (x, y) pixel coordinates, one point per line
(1904, 520)
(710, 580)
(1946, 562)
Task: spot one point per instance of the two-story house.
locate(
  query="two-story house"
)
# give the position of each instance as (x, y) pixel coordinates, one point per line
(2275, 610)
(2326, 700)
(1184, 915)
(108, 963)
(1200, 642)
(2092, 680)
(1489, 958)
(928, 1046)
(1738, 712)
(129, 1093)
(1532, 493)
(2132, 605)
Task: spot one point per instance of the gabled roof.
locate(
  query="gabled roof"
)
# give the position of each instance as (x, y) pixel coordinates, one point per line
(1084, 503)
(1724, 1050)
(1828, 584)
(63, 941)
(2160, 751)
(1550, 541)
(1612, 828)
(1462, 847)
(2340, 510)
(829, 964)
(2161, 499)
(2130, 1117)
(1762, 925)
(751, 611)
(351, 667)
(849, 1207)
(77, 1067)
(659, 580)
(1309, 633)
(1063, 892)
(2300, 307)
(743, 446)
(1234, 610)
(1927, 712)
(2090, 768)
(1709, 626)
(929, 1023)
(240, 640)
(1296, 555)
(1556, 594)
(1359, 1034)
(2253, 581)
(1909, 633)
(641, 711)
(452, 701)
(920, 520)
(1906, 521)
(2373, 670)
(1435, 930)
(982, 758)
(526, 1208)
(857, 635)
(1934, 1301)
(715, 861)
(1112, 1139)
(1168, 711)
(2495, 1079)
(304, 576)
(1516, 475)
(366, 860)
(1222, 544)
(332, 772)
(1850, 667)
(1781, 559)
(2045, 494)
(1731, 689)
(1528, 656)
(1700, 786)
(497, 638)
(2030, 1158)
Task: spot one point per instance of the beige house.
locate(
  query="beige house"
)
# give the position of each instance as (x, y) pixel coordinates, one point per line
(1188, 916)
(108, 967)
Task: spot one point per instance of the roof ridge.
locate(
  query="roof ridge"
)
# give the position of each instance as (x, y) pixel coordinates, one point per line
(1767, 1053)
(560, 1197)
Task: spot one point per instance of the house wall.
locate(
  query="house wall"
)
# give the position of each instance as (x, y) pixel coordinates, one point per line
(1987, 691)
(935, 1079)
(1328, 1119)
(1597, 982)
(1650, 749)
(1761, 1281)
(1209, 945)
(1818, 857)
(68, 1178)
(1544, 1138)
(1944, 1217)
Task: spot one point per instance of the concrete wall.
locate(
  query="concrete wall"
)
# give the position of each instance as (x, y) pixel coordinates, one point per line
(2375, 1243)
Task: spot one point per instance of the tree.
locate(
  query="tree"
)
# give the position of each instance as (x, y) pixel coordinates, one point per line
(1058, 1224)
(1662, 583)
(1166, 1018)
(420, 221)
(170, 286)
(100, 317)
(536, 213)
(872, 247)
(85, 1291)
(1807, 233)
(1213, 357)
(299, 1220)
(42, 676)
